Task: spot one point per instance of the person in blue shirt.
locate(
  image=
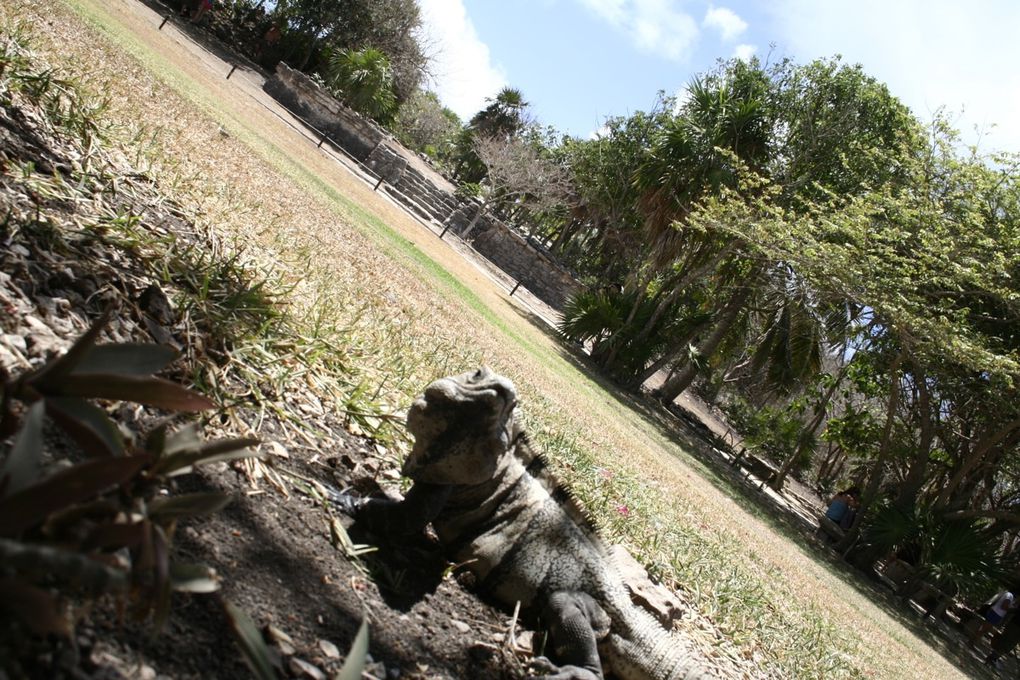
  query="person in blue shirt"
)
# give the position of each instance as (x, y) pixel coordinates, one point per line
(843, 506)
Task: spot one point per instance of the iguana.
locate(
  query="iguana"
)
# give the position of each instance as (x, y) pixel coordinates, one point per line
(494, 509)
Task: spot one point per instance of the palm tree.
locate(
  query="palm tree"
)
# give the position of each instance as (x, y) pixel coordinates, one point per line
(363, 80)
(722, 130)
(505, 116)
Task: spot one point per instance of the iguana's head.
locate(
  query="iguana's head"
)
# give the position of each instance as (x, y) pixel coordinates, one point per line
(462, 425)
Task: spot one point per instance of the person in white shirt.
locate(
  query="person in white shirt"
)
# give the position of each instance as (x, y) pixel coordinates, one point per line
(996, 614)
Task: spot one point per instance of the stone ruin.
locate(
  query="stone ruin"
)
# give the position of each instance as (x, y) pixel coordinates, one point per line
(420, 188)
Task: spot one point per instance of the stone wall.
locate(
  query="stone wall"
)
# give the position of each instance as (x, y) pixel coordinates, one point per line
(415, 184)
(299, 93)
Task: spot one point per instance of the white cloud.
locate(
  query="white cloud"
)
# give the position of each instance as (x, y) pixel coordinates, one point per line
(655, 26)
(931, 53)
(464, 72)
(726, 21)
(744, 52)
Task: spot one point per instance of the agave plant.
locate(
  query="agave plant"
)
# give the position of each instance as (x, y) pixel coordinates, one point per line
(92, 519)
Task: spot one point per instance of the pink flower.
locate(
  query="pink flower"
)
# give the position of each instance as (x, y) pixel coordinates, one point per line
(605, 473)
(623, 510)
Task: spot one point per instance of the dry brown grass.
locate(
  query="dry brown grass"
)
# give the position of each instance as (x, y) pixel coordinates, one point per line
(765, 607)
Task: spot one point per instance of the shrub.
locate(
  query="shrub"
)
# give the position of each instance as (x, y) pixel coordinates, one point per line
(89, 514)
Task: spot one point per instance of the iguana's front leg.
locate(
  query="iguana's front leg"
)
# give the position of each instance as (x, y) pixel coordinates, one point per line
(576, 623)
(422, 504)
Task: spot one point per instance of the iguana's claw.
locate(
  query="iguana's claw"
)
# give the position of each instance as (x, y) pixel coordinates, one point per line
(550, 671)
(347, 501)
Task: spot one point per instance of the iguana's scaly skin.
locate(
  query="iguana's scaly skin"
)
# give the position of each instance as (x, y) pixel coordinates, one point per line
(481, 486)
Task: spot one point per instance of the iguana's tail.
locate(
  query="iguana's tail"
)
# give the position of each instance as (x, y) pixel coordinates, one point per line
(639, 648)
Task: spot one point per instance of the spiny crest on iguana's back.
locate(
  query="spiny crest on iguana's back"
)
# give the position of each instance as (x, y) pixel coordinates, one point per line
(537, 465)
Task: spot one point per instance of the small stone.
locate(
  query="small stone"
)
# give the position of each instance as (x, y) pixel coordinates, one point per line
(41, 339)
(146, 673)
(156, 304)
(329, 649)
(526, 639)
(460, 626)
(11, 361)
(282, 641)
(303, 669)
(277, 449)
(15, 342)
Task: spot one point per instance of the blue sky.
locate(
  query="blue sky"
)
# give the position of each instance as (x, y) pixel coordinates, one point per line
(578, 61)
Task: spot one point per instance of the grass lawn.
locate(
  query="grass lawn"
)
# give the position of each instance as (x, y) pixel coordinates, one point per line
(400, 307)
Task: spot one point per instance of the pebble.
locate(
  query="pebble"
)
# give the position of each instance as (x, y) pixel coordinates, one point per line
(303, 669)
(329, 649)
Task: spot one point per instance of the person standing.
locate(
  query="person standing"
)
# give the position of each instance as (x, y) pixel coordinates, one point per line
(1004, 642)
(998, 607)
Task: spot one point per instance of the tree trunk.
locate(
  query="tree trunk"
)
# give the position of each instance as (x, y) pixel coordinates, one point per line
(566, 234)
(673, 387)
(884, 450)
(676, 288)
(669, 355)
(816, 421)
(616, 337)
(916, 475)
(474, 220)
(972, 459)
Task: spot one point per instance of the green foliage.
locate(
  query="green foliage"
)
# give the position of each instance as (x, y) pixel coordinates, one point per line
(957, 554)
(594, 315)
(775, 431)
(81, 525)
(608, 240)
(424, 125)
(66, 110)
(505, 116)
(856, 430)
(314, 29)
(362, 79)
(469, 190)
(591, 314)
